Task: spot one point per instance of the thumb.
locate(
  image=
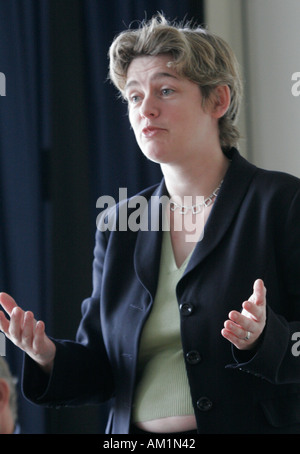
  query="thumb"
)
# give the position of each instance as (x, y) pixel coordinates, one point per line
(259, 292)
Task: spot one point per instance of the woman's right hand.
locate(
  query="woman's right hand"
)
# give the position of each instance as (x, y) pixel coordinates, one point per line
(27, 333)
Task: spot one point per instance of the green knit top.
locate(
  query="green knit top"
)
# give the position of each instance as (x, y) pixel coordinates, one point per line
(162, 387)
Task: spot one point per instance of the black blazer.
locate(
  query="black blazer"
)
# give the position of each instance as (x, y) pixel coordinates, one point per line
(253, 232)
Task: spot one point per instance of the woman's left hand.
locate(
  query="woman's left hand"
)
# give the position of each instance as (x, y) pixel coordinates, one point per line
(243, 329)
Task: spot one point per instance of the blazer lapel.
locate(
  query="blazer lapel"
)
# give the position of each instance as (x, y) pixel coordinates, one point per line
(231, 194)
(148, 244)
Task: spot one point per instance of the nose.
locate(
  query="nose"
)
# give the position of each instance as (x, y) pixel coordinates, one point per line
(149, 107)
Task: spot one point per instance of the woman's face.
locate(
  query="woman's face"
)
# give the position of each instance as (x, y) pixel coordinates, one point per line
(166, 113)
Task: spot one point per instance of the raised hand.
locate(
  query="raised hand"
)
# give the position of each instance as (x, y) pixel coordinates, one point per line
(243, 329)
(26, 333)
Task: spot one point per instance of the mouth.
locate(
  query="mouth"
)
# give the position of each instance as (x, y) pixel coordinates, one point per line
(151, 131)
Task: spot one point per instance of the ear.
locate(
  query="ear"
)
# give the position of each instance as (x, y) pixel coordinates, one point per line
(4, 393)
(220, 101)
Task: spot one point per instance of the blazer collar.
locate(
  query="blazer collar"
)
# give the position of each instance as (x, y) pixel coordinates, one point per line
(235, 185)
(230, 196)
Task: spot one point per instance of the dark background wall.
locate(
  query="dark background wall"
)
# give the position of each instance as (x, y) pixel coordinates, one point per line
(64, 141)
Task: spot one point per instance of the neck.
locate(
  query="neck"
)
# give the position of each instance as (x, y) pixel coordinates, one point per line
(6, 424)
(200, 178)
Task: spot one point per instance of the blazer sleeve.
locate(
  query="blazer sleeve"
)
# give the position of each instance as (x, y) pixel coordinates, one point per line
(82, 372)
(277, 358)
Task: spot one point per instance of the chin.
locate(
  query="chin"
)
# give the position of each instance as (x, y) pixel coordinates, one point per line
(157, 156)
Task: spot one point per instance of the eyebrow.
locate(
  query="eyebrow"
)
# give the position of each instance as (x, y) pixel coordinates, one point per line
(156, 76)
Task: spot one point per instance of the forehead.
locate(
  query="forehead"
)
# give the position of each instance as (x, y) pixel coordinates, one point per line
(146, 68)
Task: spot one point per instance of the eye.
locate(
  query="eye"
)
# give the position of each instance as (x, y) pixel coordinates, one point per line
(167, 91)
(134, 98)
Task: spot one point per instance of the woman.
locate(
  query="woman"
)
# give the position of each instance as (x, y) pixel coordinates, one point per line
(154, 334)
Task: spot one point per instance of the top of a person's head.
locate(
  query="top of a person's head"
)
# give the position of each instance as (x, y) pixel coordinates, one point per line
(5, 374)
(195, 54)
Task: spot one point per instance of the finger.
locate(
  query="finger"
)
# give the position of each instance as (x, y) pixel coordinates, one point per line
(28, 329)
(15, 325)
(240, 319)
(240, 325)
(7, 302)
(254, 311)
(4, 323)
(239, 342)
(238, 331)
(39, 337)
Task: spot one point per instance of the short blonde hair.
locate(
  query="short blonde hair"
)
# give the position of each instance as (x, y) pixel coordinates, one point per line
(197, 54)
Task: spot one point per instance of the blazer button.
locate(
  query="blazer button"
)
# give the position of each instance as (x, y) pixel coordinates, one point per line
(204, 404)
(193, 357)
(186, 309)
